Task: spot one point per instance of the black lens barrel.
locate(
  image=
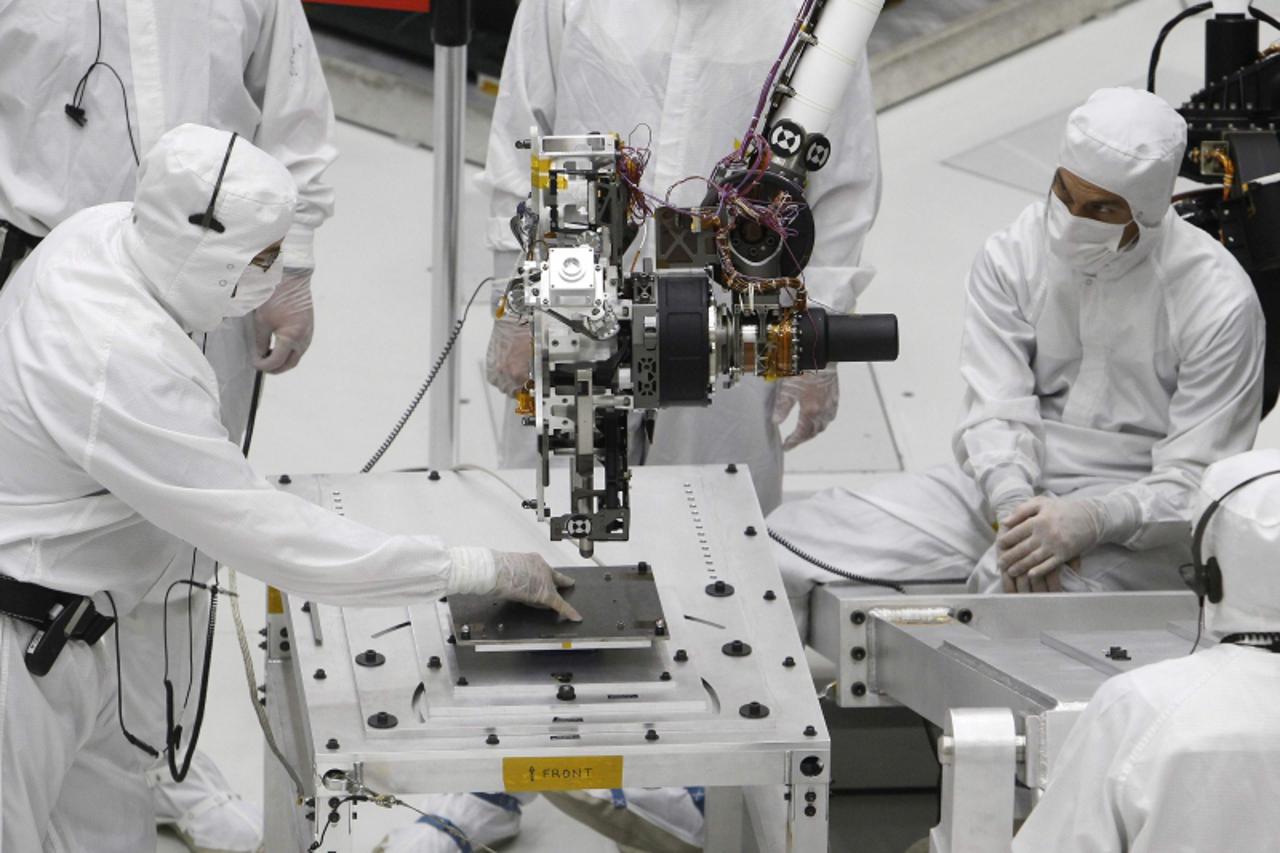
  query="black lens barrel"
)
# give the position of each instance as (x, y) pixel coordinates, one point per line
(826, 338)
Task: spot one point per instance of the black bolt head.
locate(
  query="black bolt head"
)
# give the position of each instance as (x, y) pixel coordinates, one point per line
(731, 468)
(858, 653)
(681, 656)
(965, 616)
(811, 765)
(334, 817)
(811, 796)
(332, 743)
(858, 617)
(719, 589)
(262, 645)
(492, 740)
(306, 607)
(810, 731)
(566, 693)
(643, 568)
(770, 595)
(750, 531)
(284, 632)
(859, 689)
(788, 661)
(284, 645)
(754, 710)
(666, 676)
(370, 657)
(736, 649)
(462, 681)
(320, 675)
(810, 811)
(284, 479)
(433, 662)
(383, 720)
(651, 735)
(433, 476)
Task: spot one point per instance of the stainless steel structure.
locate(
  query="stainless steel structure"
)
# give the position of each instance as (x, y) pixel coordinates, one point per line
(448, 118)
(422, 715)
(1005, 676)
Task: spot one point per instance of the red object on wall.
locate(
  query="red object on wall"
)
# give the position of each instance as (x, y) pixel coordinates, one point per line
(401, 5)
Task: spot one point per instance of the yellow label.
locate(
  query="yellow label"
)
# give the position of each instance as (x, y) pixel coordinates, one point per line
(562, 774)
(275, 601)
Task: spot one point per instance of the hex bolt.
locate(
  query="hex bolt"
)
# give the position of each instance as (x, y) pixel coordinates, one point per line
(383, 720)
(566, 693)
(754, 710)
(433, 662)
(770, 595)
(320, 675)
(262, 632)
(660, 628)
(651, 735)
(334, 802)
(284, 632)
(750, 531)
(284, 645)
(859, 689)
(681, 656)
(334, 817)
(311, 816)
(465, 632)
(810, 811)
(858, 617)
(262, 645)
(284, 479)
(965, 615)
(736, 649)
(331, 744)
(858, 653)
(666, 676)
(462, 681)
(811, 796)
(492, 740)
(788, 661)
(811, 766)
(719, 589)
(810, 731)
(370, 657)
(643, 568)
(731, 468)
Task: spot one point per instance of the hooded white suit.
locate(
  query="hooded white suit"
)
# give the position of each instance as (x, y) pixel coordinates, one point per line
(1184, 756)
(112, 456)
(1121, 384)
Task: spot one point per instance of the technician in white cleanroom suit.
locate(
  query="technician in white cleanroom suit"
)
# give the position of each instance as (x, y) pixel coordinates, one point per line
(1184, 755)
(1111, 352)
(112, 457)
(682, 79)
(243, 65)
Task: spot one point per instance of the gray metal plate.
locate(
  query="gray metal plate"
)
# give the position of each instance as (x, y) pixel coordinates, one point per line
(619, 607)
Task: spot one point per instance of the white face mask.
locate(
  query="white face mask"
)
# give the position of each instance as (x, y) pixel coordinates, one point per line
(254, 288)
(1086, 245)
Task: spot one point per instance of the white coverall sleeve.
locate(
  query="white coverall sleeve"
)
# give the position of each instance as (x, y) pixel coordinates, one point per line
(1086, 808)
(1214, 413)
(845, 197)
(1000, 440)
(152, 437)
(285, 79)
(526, 97)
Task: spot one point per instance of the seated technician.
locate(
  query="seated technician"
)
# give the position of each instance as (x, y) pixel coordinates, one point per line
(113, 455)
(1111, 352)
(1184, 755)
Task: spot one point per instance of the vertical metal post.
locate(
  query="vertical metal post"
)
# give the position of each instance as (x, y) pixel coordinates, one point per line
(451, 30)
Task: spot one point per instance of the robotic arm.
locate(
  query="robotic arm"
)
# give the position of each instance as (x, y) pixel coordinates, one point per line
(609, 342)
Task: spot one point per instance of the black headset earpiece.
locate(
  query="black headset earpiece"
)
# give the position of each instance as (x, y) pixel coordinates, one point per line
(206, 219)
(1206, 582)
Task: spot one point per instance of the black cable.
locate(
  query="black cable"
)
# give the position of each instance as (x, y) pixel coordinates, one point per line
(175, 731)
(75, 109)
(1164, 33)
(431, 377)
(1199, 628)
(128, 735)
(897, 586)
(1264, 17)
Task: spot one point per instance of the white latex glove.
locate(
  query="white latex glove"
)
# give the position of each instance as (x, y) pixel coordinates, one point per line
(528, 579)
(509, 359)
(1043, 534)
(283, 325)
(818, 395)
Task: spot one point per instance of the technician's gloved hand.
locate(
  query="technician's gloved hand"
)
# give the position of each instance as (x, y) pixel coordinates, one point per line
(509, 359)
(528, 579)
(1042, 535)
(818, 395)
(284, 324)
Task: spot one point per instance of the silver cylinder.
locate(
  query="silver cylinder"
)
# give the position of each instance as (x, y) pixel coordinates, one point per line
(446, 213)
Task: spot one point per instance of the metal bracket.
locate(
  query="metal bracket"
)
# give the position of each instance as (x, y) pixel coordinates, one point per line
(979, 753)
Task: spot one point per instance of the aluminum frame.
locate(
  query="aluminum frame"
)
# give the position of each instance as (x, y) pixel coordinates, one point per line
(695, 526)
